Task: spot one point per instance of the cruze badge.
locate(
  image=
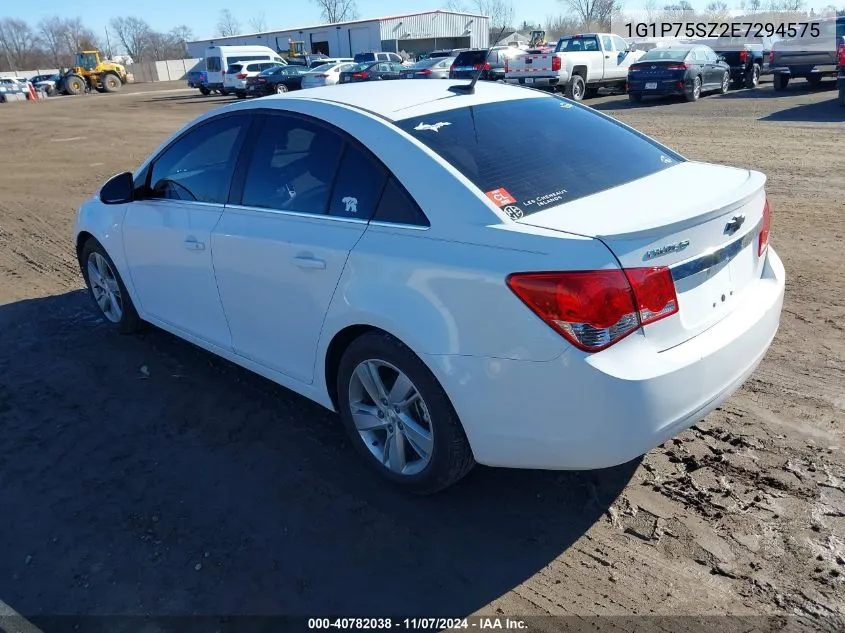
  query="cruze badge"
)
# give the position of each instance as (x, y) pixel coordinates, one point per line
(665, 250)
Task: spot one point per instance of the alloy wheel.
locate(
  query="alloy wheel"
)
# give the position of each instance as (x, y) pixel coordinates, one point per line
(105, 288)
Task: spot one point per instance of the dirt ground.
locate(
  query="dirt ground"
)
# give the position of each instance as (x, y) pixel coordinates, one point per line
(139, 475)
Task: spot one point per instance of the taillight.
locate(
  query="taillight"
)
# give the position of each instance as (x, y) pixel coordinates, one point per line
(743, 55)
(426, 71)
(677, 66)
(506, 65)
(841, 53)
(321, 76)
(634, 69)
(764, 231)
(596, 308)
(240, 76)
(771, 57)
(555, 63)
(361, 75)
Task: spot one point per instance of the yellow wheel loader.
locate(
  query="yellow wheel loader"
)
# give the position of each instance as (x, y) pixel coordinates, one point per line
(92, 73)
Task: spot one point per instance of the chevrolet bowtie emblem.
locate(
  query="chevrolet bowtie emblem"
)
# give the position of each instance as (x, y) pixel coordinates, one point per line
(733, 226)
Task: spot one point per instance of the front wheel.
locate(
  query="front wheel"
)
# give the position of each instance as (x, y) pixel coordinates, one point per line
(110, 82)
(281, 89)
(398, 416)
(842, 97)
(815, 81)
(576, 88)
(106, 288)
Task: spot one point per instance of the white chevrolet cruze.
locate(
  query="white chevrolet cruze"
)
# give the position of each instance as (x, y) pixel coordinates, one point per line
(387, 251)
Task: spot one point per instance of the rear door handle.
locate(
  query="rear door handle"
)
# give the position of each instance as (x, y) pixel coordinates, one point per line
(310, 262)
(193, 245)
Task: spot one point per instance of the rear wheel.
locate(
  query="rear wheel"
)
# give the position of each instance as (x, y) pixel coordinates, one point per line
(780, 82)
(241, 94)
(110, 82)
(842, 97)
(205, 92)
(398, 416)
(726, 83)
(752, 77)
(694, 91)
(74, 85)
(635, 97)
(106, 288)
(576, 88)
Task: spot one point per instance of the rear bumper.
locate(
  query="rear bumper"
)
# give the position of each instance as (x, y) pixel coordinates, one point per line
(535, 82)
(583, 411)
(806, 70)
(663, 87)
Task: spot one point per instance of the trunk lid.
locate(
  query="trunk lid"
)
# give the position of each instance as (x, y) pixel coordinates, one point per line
(531, 65)
(678, 218)
(657, 70)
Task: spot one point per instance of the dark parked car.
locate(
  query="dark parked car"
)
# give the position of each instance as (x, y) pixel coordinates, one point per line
(310, 60)
(467, 63)
(840, 75)
(276, 80)
(446, 52)
(433, 68)
(372, 71)
(687, 70)
(748, 58)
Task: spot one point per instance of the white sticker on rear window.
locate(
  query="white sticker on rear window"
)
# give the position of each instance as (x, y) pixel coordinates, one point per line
(545, 200)
(351, 204)
(433, 127)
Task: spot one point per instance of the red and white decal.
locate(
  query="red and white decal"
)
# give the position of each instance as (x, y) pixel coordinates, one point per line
(500, 197)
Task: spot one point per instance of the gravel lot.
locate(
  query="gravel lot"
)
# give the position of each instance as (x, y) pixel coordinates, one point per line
(140, 475)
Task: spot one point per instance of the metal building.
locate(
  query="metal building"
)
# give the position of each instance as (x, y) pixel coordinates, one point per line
(414, 33)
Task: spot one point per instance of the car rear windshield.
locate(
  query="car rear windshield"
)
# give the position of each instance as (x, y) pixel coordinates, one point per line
(470, 58)
(235, 68)
(665, 54)
(530, 154)
(578, 44)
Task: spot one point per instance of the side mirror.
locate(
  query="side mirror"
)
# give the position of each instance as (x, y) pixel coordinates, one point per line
(118, 189)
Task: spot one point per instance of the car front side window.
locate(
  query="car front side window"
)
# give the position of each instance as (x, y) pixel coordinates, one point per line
(198, 166)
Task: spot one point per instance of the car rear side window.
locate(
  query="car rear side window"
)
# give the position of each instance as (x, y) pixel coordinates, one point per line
(529, 154)
(470, 58)
(397, 207)
(360, 182)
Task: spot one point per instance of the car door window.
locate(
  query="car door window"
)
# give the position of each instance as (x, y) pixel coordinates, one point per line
(620, 44)
(198, 166)
(359, 185)
(293, 165)
(397, 207)
(607, 43)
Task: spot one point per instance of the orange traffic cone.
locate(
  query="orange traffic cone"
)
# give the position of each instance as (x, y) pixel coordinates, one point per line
(32, 95)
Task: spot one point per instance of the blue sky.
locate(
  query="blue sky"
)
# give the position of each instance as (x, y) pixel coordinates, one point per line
(201, 15)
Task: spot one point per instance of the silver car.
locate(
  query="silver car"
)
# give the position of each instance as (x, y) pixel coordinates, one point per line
(432, 68)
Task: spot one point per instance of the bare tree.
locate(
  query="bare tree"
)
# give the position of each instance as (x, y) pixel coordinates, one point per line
(79, 37)
(500, 12)
(560, 25)
(593, 14)
(337, 10)
(458, 6)
(53, 35)
(135, 36)
(227, 24)
(18, 42)
(258, 23)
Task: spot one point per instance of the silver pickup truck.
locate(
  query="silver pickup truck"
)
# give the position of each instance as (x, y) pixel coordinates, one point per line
(812, 57)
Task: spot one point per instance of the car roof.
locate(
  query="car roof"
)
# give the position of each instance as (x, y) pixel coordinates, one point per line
(414, 98)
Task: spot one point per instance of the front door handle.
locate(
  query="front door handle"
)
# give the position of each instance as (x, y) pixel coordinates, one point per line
(310, 262)
(193, 245)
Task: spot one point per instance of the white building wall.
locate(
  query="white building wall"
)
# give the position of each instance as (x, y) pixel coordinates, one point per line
(430, 26)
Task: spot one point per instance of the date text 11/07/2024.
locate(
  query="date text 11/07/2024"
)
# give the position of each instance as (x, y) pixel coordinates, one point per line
(722, 29)
(419, 624)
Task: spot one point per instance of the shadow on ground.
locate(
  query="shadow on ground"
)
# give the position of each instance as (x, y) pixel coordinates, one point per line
(828, 111)
(141, 475)
(191, 98)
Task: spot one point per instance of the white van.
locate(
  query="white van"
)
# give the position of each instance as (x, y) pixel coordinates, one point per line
(219, 58)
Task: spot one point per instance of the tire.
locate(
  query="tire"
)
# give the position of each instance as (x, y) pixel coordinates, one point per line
(576, 88)
(635, 97)
(694, 93)
(445, 455)
(842, 97)
(110, 82)
(780, 82)
(240, 94)
(591, 93)
(815, 81)
(205, 92)
(726, 84)
(103, 280)
(74, 85)
(281, 89)
(752, 77)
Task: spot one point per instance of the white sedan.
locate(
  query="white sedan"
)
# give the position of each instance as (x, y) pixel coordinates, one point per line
(325, 75)
(384, 251)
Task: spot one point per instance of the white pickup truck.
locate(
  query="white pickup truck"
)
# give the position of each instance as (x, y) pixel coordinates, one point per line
(580, 65)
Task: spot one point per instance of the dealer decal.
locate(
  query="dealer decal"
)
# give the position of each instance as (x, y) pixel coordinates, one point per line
(500, 197)
(543, 201)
